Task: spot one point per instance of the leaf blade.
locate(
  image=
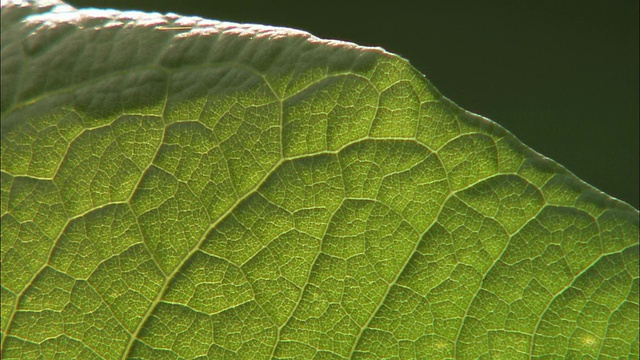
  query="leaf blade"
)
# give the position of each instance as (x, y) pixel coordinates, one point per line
(216, 151)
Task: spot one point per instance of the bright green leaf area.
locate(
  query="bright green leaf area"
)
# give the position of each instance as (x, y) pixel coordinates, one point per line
(178, 188)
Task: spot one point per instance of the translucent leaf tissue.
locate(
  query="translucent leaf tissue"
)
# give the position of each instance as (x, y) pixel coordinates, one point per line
(179, 188)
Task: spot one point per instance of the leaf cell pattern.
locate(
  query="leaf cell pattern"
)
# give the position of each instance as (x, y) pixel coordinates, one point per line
(184, 188)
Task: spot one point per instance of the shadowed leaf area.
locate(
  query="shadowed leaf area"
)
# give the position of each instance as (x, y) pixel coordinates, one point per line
(179, 188)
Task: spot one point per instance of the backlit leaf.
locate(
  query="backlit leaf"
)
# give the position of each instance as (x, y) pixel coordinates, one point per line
(175, 187)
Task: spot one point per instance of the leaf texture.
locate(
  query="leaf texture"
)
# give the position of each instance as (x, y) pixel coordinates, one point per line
(176, 188)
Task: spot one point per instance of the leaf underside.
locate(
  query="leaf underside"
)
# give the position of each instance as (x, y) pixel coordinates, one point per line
(175, 187)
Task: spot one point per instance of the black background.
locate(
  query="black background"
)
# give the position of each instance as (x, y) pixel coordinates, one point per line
(560, 75)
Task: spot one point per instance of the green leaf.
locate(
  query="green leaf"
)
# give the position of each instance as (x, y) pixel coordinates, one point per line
(175, 187)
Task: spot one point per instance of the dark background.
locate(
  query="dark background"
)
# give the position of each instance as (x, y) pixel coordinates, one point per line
(560, 75)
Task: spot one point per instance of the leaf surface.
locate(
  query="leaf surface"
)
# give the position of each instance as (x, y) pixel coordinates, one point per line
(176, 187)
